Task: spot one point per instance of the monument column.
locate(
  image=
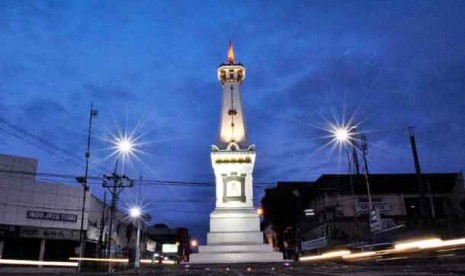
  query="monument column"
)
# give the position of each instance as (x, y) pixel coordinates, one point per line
(234, 224)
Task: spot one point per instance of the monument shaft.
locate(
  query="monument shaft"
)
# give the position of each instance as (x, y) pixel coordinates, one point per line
(234, 235)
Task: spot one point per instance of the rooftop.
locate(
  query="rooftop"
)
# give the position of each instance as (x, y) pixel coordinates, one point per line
(379, 183)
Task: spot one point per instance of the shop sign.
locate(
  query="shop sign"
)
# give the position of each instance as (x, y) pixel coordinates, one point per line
(93, 233)
(375, 220)
(151, 245)
(51, 216)
(314, 244)
(169, 248)
(363, 206)
(49, 233)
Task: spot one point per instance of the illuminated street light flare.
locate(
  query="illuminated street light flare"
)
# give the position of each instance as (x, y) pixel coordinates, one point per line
(135, 212)
(124, 145)
(342, 134)
(194, 243)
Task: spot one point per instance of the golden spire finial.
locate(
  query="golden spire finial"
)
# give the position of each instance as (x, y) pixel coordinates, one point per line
(230, 53)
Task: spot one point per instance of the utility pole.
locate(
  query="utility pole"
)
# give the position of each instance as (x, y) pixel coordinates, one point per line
(354, 143)
(365, 163)
(115, 183)
(354, 169)
(374, 216)
(351, 180)
(83, 181)
(139, 192)
(137, 258)
(421, 179)
(102, 226)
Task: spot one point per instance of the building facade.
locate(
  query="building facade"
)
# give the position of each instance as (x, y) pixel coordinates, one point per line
(38, 221)
(42, 221)
(335, 209)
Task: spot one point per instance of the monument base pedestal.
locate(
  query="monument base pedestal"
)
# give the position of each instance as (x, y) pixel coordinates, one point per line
(235, 237)
(227, 254)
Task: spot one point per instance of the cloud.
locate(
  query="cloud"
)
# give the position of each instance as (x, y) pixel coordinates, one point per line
(43, 108)
(108, 93)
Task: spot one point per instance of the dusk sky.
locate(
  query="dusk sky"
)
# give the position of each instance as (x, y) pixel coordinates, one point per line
(150, 67)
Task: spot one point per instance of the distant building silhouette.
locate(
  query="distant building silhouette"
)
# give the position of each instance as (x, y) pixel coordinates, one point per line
(334, 209)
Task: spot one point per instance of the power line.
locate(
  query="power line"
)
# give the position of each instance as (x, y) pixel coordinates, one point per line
(40, 143)
(97, 179)
(37, 141)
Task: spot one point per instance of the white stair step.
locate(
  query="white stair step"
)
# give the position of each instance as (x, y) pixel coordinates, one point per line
(252, 237)
(236, 248)
(227, 258)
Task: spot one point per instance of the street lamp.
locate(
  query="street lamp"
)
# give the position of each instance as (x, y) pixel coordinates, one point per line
(194, 246)
(83, 180)
(194, 243)
(123, 147)
(344, 135)
(136, 214)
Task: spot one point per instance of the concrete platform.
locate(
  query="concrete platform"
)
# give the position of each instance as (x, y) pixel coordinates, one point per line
(235, 248)
(235, 237)
(242, 253)
(229, 238)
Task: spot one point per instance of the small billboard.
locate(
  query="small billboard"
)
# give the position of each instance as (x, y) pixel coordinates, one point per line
(151, 246)
(169, 248)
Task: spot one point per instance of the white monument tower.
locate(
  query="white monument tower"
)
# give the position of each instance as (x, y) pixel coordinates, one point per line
(234, 235)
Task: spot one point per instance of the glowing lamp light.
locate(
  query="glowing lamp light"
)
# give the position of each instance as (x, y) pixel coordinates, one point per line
(194, 243)
(124, 145)
(260, 211)
(341, 135)
(135, 212)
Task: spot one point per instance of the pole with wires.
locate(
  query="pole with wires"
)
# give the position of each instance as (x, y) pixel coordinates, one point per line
(101, 240)
(421, 181)
(83, 181)
(115, 184)
(365, 163)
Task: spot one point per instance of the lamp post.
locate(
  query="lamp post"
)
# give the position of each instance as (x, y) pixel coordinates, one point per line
(345, 135)
(136, 214)
(115, 183)
(364, 153)
(83, 182)
(194, 246)
(194, 243)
